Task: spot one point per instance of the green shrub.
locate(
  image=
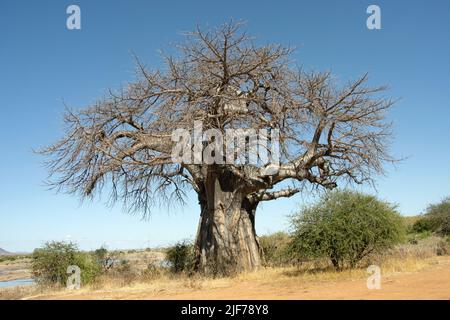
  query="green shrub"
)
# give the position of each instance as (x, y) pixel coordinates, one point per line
(49, 263)
(437, 217)
(181, 257)
(10, 258)
(423, 225)
(101, 253)
(274, 248)
(89, 266)
(345, 227)
(413, 238)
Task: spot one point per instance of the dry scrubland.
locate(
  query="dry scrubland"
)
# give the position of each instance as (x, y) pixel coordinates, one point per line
(416, 271)
(15, 267)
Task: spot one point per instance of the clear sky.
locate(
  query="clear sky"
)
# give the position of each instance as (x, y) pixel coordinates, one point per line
(43, 64)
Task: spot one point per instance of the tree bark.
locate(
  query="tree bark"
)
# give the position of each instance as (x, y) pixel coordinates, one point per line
(226, 239)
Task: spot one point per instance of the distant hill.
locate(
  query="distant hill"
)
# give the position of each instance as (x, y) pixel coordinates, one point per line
(4, 252)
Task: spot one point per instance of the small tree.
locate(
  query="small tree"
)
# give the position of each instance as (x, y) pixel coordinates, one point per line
(181, 257)
(436, 219)
(49, 263)
(345, 226)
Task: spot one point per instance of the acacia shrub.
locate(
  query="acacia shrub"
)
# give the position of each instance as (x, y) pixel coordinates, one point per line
(49, 263)
(345, 226)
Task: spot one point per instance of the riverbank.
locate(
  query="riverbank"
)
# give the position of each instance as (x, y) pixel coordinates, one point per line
(15, 268)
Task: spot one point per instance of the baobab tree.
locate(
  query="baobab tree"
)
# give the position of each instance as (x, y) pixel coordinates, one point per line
(124, 143)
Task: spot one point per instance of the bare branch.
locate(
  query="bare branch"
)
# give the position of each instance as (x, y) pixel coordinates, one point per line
(123, 142)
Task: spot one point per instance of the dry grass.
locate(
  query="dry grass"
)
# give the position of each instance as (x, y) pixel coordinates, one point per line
(15, 293)
(167, 285)
(406, 258)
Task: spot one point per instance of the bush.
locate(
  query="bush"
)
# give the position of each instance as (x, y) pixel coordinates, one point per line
(152, 272)
(8, 258)
(49, 263)
(423, 225)
(443, 247)
(345, 227)
(89, 266)
(436, 219)
(105, 258)
(274, 248)
(181, 257)
(101, 253)
(414, 238)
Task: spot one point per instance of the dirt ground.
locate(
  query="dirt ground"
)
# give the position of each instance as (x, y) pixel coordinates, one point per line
(431, 283)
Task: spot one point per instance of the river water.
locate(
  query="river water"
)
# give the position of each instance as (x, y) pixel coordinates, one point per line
(17, 282)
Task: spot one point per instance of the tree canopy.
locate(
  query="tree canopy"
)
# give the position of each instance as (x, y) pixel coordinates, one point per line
(326, 132)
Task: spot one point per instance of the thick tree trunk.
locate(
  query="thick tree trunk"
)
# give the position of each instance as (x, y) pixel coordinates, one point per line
(226, 239)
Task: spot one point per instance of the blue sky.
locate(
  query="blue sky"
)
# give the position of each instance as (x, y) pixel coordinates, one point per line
(42, 65)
